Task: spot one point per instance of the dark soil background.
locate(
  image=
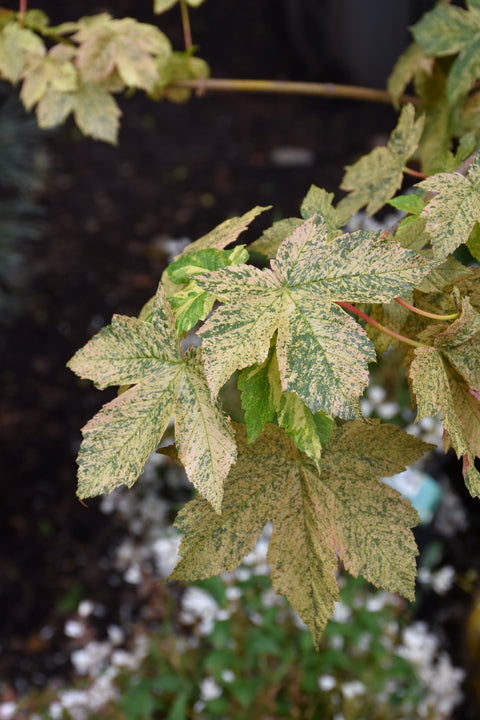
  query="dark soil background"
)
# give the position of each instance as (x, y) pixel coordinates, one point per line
(178, 171)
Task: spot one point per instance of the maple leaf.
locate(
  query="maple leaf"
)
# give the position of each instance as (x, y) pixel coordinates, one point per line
(118, 440)
(345, 510)
(376, 177)
(448, 30)
(438, 388)
(127, 46)
(322, 352)
(18, 47)
(455, 208)
(460, 343)
(54, 70)
(271, 238)
(159, 6)
(413, 61)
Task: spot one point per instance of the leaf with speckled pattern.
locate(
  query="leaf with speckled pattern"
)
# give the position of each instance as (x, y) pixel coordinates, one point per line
(438, 388)
(460, 343)
(322, 351)
(454, 209)
(376, 177)
(118, 440)
(345, 510)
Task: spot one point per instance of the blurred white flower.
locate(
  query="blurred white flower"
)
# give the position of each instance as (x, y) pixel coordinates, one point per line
(8, 710)
(353, 689)
(228, 675)
(326, 682)
(74, 629)
(443, 579)
(199, 607)
(341, 613)
(209, 689)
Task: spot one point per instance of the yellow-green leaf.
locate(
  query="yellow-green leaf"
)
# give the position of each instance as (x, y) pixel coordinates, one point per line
(345, 510)
(376, 177)
(96, 112)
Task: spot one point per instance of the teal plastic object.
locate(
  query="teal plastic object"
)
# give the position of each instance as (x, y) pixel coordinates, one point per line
(420, 488)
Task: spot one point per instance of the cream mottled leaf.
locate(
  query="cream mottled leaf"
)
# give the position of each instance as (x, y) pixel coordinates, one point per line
(438, 388)
(146, 354)
(376, 177)
(118, 440)
(453, 210)
(412, 61)
(224, 234)
(18, 47)
(55, 70)
(53, 108)
(127, 46)
(460, 343)
(322, 352)
(319, 201)
(313, 515)
(96, 112)
(203, 435)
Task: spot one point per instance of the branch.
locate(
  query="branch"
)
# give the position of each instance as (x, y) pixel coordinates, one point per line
(375, 324)
(288, 87)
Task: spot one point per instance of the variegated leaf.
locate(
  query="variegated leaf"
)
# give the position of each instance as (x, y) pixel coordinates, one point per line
(119, 439)
(322, 352)
(438, 388)
(314, 517)
(453, 210)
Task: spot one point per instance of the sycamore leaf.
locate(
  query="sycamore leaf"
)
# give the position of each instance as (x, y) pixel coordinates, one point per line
(438, 388)
(453, 211)
(118, 440)
(413, 60)
(411, 203)
(322, 352)
(96, 112)
(127, 46)
(460, 343)
(448, 30)
(376, 177)
(318, 201)
(271, 238)
(190, 304)
(181, 66)
(345, 510)
(53, 108)
(55, 70)
(434, 149)
(18, 47)
(257, 397)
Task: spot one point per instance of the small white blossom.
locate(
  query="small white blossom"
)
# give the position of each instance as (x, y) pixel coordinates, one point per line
(8, 710)
(115, 634)
(74, 629)
(443, 579)
(85, 607)
(199, 606)
(326, 682)
(233, 593)
(209, 689)
(341, 613)
(228, 675)
(353, 689)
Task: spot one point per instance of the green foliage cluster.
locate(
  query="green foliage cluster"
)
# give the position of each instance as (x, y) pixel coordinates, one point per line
(295, 330)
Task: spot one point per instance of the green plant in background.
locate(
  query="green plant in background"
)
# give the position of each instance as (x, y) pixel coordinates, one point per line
(297, 328)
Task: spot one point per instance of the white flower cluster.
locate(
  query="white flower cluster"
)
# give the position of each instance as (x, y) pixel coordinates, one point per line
(434, 668)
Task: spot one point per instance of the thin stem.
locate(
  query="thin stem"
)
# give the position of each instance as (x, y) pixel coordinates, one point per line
(21, 12)
(433, 316)
(375, 324)
(414, 173)
(288, 87)
(187, 30)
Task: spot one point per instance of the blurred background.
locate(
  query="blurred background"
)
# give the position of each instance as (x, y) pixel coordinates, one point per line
(87, 630)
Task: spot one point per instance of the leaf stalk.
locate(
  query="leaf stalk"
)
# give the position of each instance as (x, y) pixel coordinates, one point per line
(187, 29)
(375, 324)
(22, 9)
(432, 316)
(415, 173)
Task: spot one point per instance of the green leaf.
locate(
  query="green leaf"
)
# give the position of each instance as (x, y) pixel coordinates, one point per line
(191, 303)
(453, 211)
(118, 440)
(257, 397)
(181, 66)
(376, 177)
(438, 388)
(411, 203)
(322, 352)
(345, 510)
(127, 46)
(196, 263)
